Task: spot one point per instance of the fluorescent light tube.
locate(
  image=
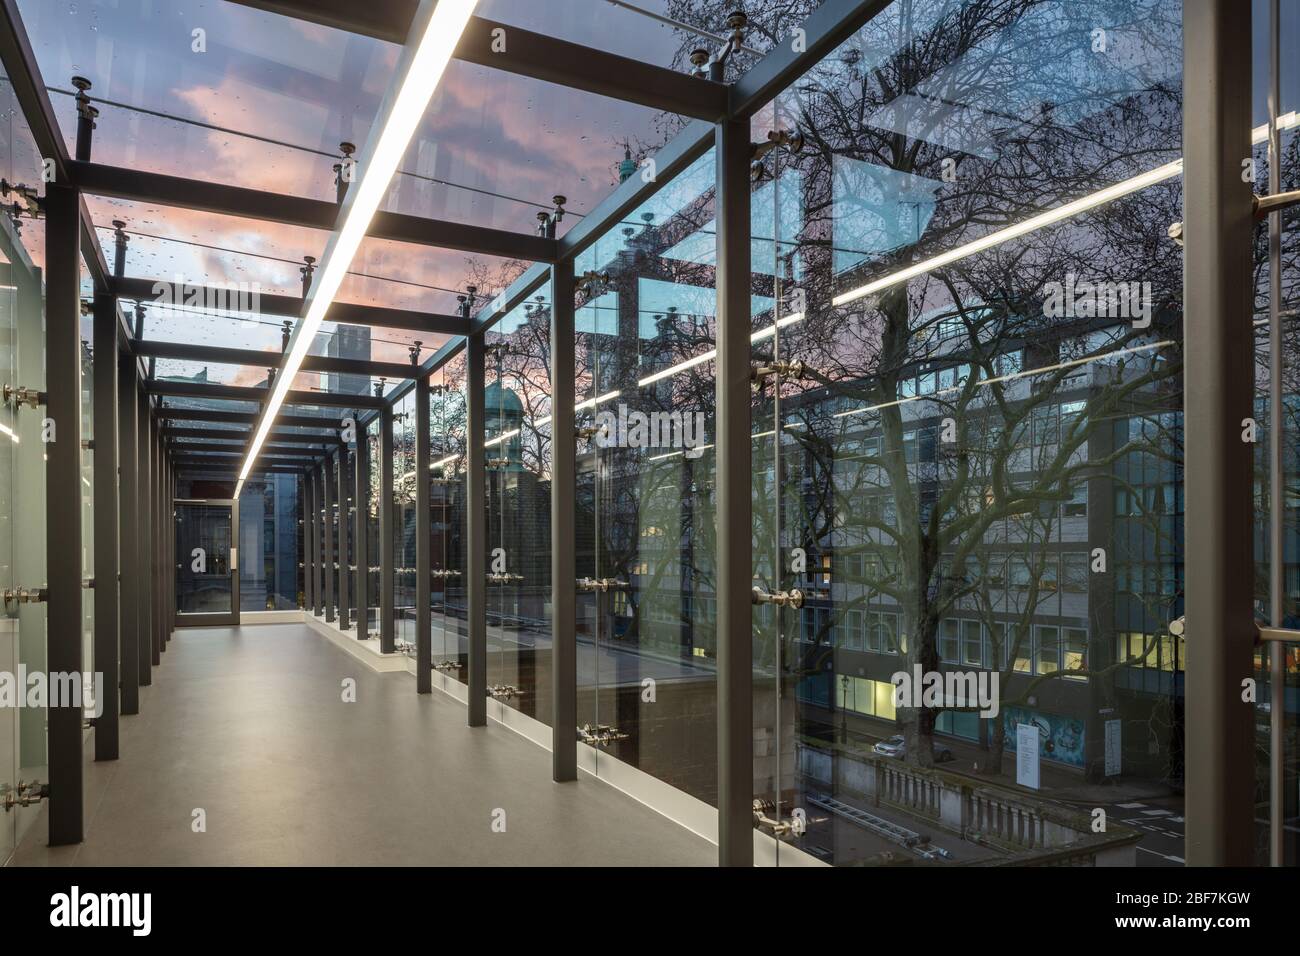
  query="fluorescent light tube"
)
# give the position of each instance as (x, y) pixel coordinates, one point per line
(435, 31)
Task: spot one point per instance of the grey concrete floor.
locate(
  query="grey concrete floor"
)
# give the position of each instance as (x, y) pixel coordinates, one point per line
(249, 725)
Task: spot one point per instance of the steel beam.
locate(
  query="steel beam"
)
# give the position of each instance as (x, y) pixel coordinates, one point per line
(138, 185)
(187, 352)
(63, 506)
(423, 543)
(732, 490)
(833, 22)
(1218, 227)
(178, 414)
(325, 439)
(387, 637)
(476, 532)
(525, 53)
(107, 546)
(129, 541)
(289, 306)
(242, 393)
(564, 491)
(361, 530)
(235, 446)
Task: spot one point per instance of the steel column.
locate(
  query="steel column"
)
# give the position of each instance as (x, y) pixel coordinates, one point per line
(1218, 466)
(327, 474)
(161, 578)
(344, 572)
(63, 506)
(423, 544)
(318, 539)
(309, 542)
(128, 539)
(107, 606)
(361, 530)
(169, 544)
(387, 640)
(734, 464)
(144, 536)
(564, 625)
(476, 532)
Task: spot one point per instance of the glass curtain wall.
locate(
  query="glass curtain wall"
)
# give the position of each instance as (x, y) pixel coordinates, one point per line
(645, 473)
(269, 547)
(517, 446)
(370, 500)
(968, 457)
(448, 617)
(22, 467)
(403, 505)
(1284, 261)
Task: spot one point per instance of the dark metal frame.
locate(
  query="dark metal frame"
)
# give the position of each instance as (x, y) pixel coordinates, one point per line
(1218, 223)
(63, 512)
(1218, 470)
(107, 546)
(212, 619)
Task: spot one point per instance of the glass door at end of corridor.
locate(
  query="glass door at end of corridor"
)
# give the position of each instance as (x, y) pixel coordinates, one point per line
(207, 563)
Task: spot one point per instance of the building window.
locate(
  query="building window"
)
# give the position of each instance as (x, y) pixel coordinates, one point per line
(1076, 652)
(972, 643)
(949, 634)
(1049, 650)
(1075, 565)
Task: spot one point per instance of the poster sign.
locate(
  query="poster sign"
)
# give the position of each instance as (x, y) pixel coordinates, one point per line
(1027, 755)
(1113, 750)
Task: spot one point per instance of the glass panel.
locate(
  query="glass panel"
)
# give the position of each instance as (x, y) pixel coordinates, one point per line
(1280, 698)
(954, 427)
(517, 445)
(268, 550)
(204, 580)
(299, 87)
(449, 614)
(22, 472)
(404, 465)
(646, 633)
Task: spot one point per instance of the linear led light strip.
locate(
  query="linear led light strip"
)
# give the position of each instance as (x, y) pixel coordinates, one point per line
(711, 354)
(917, 398)
(419, 71)
(1086, 360)
(589, 403)
(1169, 170)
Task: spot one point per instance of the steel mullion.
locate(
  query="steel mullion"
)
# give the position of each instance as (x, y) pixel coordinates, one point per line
(107, 550)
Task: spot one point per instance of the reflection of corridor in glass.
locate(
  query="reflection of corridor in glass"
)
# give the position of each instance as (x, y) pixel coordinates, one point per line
(203, 576)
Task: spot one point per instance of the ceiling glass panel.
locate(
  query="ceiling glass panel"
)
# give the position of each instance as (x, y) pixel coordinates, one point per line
(660, 32)
(248, 71)
(174, 370)
(513, 143)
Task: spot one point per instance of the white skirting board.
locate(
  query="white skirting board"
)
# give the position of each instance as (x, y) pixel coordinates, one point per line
(366, 651)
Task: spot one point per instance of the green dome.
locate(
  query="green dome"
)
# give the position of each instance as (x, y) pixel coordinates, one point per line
(501, 401)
